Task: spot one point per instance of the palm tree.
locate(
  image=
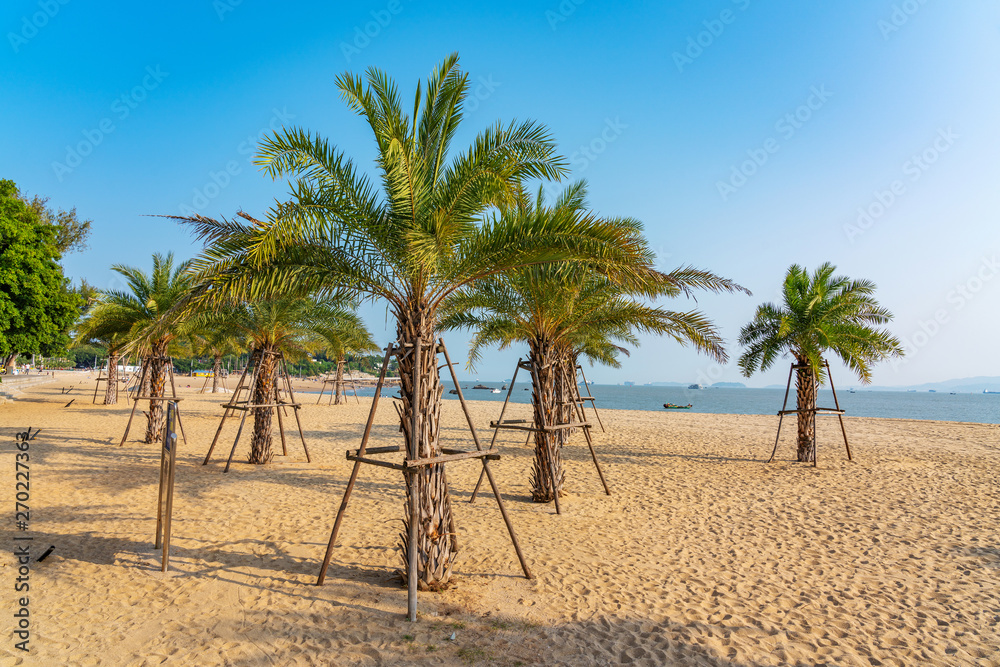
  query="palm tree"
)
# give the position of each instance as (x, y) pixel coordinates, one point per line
(563, 310)
(349, 336)
(212, 334)
(412, 238)
(286, 326)
(146, 316)
(820, 313)
(90, 330)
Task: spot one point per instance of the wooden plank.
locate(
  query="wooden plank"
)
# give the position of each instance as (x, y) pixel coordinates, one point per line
(375, 450)
(493, 455)
(374, 462)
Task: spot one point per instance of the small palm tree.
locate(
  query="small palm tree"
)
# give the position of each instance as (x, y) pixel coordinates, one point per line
(820, 313)
(288, 326)
(147, 317)
(91, 330)
(212, 333)
(411, 238)
(349, 336)
(562, 310)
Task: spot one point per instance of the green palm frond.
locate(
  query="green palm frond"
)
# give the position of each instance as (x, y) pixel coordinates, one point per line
(822, 312)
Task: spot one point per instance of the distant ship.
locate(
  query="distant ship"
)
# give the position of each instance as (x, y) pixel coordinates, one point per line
(987, 391)
(695, 386)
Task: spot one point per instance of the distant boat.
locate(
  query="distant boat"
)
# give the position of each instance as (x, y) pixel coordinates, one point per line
(851, 391)
(987, 391)
(671, 406)
(695, 386)
(932, 391)
(494, 391)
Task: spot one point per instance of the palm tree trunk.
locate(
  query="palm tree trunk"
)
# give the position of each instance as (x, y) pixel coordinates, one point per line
(216, 372)
(805, 399)
(157, 382)
(263, 392)
(547, 474)
(436, 537)
(338, 385)
(111, 391)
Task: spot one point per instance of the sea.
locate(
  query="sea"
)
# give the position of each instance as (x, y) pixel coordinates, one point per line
(940, 406)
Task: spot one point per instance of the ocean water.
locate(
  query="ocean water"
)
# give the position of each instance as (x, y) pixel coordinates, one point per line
(942, 406)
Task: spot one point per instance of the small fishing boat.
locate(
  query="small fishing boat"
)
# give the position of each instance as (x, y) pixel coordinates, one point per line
(671, 406)
(494, 391)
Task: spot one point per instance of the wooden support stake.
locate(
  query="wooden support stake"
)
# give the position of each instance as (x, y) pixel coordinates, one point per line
(841, 415)
(354, 471)
(781, 415)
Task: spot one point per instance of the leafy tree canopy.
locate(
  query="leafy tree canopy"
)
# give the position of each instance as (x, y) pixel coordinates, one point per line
(37, 307)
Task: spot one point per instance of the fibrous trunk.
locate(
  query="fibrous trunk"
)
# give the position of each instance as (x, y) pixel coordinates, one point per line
(111, 391)
(805, 395)
(216, 372)
(8, 363)
(157, 375)
(437, 545)
(547, 473)
(263, 393)
(338, 385)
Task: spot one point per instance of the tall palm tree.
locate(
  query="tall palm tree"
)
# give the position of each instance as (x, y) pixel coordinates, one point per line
(146, 316)
(412, 237)
(563, 310)
(349, 336)
(819, 314)
(288, 326)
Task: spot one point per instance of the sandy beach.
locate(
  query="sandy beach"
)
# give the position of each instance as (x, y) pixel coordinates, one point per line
(703, 555)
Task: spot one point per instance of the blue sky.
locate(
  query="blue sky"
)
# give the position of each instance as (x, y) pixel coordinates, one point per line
(747, 136)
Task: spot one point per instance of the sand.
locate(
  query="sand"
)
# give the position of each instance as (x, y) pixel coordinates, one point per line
(703, 555)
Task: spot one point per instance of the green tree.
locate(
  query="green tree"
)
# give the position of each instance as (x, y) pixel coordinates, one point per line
(37, 307)
(411, 238)
(563, 310)
(71, 232)
(147, 317)
(819, 314)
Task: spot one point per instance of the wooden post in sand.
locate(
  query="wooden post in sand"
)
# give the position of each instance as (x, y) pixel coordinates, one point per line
(816, 410)
(165, 501)
(409, 467)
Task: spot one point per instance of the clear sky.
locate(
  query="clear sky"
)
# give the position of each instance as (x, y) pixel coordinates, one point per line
(747, 136)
